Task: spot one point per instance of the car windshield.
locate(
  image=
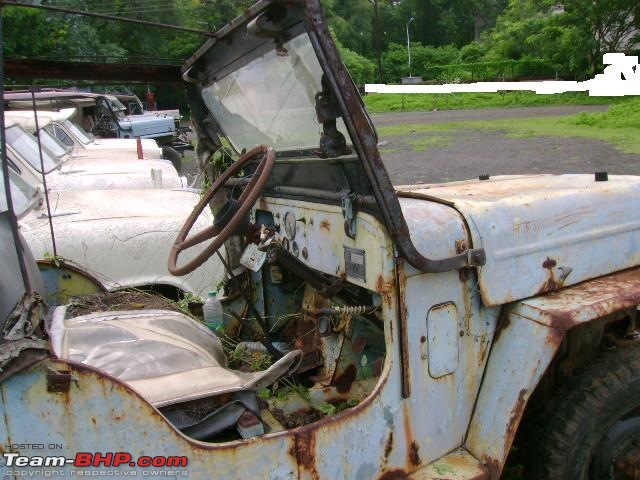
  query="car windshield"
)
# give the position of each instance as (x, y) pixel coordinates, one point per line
(78, 132)
(271, 99)
(22, 193)
(52, 144)
(27, 146)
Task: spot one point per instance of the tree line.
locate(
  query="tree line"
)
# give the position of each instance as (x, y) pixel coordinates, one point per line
(451, 40)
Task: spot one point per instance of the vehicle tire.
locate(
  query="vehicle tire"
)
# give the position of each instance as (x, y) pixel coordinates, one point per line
(591, 429)
(171, 154)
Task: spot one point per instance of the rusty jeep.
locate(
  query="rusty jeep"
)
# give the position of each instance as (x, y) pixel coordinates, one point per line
(414, 332)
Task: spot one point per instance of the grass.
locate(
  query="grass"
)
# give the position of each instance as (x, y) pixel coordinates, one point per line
(422, 144)
(619, 126)
(398, 102)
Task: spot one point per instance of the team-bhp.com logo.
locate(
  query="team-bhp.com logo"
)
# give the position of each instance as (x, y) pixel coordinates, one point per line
(98, 459)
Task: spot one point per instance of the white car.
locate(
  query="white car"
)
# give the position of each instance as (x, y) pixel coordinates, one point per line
(60, 125)
(70, 173)
(119, 238)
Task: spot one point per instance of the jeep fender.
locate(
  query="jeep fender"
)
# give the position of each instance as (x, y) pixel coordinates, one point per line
(524, 346)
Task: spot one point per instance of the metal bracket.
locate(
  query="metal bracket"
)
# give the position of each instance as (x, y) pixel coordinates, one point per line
(476, 257)
(348, 200)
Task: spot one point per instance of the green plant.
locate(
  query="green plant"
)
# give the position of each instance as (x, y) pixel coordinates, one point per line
(185, 299)
(57, 260)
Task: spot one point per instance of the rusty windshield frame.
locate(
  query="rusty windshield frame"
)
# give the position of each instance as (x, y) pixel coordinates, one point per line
(357, 121)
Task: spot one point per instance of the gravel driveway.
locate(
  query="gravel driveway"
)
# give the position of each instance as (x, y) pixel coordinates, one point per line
(464, 154)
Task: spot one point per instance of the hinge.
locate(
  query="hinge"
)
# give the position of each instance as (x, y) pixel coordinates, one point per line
(348, 202)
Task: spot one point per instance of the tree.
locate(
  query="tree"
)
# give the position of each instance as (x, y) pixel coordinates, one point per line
(609, 25)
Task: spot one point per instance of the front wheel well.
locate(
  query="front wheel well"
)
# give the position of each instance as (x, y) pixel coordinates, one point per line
(582, 348)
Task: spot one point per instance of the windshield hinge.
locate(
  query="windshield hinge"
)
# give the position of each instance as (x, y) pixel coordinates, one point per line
(348, 201)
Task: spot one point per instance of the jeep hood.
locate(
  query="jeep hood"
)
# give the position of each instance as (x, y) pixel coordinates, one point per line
(543, 232)
(122, 237)
(99, 174)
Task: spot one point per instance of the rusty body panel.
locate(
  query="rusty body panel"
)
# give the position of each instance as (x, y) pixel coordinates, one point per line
(33, 69)
(536, 325)
(509, 380)
(584, 302)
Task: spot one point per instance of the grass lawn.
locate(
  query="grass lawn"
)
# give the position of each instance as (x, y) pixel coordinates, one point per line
(398, 102)
(620, 126)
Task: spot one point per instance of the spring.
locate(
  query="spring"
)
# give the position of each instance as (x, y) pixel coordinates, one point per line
(350, 309)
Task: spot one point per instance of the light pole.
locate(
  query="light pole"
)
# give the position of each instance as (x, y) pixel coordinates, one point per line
(409, 44)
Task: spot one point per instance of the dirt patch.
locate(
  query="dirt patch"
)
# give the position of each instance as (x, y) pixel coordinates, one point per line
(297, 418)
(121, 300)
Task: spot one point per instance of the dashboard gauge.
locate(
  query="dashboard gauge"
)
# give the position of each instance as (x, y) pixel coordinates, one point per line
(290, 225)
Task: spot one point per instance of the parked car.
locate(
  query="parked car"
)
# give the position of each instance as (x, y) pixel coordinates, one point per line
(432, 319)
(116, 240)
(74, 137)
(105, 116)
(72, 173)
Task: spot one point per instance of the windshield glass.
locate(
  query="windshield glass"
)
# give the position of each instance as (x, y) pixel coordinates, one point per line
(78, 132)
(116, 104)
(271, 99)
(60, 134)
(22, 193)
(27, 147)
(52, 144)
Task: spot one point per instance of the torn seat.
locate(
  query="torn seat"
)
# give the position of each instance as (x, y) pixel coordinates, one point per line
(167, 357)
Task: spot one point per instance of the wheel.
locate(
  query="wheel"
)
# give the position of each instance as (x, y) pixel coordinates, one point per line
(232, 218)
(171, 154)
(591, 430)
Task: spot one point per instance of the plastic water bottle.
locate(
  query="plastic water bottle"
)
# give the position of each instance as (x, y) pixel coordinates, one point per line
(212, 310)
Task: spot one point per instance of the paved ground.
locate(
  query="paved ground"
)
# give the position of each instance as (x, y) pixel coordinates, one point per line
(464, 154)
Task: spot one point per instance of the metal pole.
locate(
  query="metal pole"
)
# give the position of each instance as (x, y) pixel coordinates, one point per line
(5, 173)
(409, 45)
(44, 177)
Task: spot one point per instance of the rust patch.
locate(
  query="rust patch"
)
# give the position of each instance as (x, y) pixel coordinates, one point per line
(403, 329)
(592, 299)
(343, 382)
(512, 426)
(551, 283)
(548, 286)
(555, 336)
(324, 224)
(388, 447)
(494, 467)
(396, 474)
(414, 455)
(305, 452)
(385, 289)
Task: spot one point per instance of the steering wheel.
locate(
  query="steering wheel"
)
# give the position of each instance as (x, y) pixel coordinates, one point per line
(233, 216)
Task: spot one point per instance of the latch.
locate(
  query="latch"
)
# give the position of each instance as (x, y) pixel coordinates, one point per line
(58, 381)
(348, 201)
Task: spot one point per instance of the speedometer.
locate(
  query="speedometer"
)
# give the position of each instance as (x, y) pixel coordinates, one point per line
(290, 225)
